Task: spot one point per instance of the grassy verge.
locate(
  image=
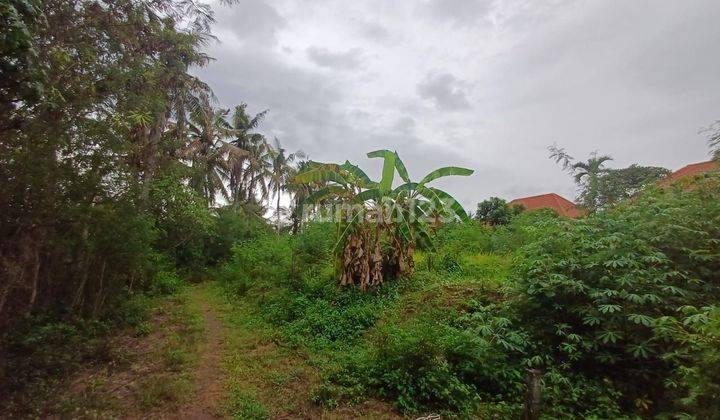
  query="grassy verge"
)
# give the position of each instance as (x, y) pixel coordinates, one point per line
(148, 368)
(266, 377)
(263, 377)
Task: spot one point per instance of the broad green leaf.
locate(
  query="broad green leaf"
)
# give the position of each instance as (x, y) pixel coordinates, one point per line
(321, 173)
(402, 170)
(372, 194)
(641, 319)
(408, 186)
(358, 173)
(346, 232)
(388, 171)
(446, 171)
(609, 336)
(324, 193)
(609, 308)
(442, 200)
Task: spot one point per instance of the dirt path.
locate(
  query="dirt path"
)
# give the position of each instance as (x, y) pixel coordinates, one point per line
(209, 373)
(200, 356)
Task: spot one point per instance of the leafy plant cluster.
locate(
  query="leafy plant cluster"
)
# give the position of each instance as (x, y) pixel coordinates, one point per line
(615, 296)
(380, 225)
(413, 341)
(617, 310)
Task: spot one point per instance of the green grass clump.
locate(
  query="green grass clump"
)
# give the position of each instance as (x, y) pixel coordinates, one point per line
(159, 390)
(244, 405)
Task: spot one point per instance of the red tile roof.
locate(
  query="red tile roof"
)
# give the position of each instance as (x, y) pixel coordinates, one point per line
(692, 170)
(553, 201)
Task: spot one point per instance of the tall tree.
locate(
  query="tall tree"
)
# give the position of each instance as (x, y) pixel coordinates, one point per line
(281, 172)
(399, 216)
(616, 185)
(210, 155)
(95, 97)
(248, 173)
(586, 174)
(713, 133)
(495, 211)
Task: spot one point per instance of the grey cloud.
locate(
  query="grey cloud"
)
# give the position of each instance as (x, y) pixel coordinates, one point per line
(635, 80)
(405, 124)
(374, 31)
(301, 102)
(459, 12)
(252, 21)
(348, 60)
(445, 90)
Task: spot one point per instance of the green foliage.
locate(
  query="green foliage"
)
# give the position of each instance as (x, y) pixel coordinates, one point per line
(292, 281)
(21, 71)
(616, 185)
(261, 264)
(233, 225)
(243, 405)
(445, 361)
(42, 350)
(697, 379)
(166, 283)
(495, 211)
(606, 296)
(380, 243)
(616, 309)
(183, 220)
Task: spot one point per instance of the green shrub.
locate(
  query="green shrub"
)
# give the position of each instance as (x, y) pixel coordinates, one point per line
(607, 296)
(233, 225)
(618, 310)
(261, 264)
(314, 244)
(424, 366)
(39, 351)
(133, 312)
(166, 283)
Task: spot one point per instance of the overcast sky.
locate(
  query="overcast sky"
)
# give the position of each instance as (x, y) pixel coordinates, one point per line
(483, 84)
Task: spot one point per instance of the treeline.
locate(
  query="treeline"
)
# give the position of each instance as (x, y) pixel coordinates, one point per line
(113, 158)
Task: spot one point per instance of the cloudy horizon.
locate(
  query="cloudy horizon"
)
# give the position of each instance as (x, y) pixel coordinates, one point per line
(483, 84)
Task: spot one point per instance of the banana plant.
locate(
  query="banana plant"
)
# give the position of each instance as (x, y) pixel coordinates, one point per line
(374, 211)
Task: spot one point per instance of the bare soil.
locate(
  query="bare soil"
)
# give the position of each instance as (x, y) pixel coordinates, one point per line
(209, 375)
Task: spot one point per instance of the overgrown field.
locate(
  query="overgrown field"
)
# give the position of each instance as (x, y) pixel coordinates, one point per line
(618, 310)
(136, 364)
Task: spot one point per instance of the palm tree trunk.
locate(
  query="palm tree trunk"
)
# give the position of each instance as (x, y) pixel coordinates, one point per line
(278, 210)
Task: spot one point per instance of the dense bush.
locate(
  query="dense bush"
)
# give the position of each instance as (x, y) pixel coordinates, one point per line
(617, 310)
(233, 225)
(467, 360)
(292, 280)
(613, 297)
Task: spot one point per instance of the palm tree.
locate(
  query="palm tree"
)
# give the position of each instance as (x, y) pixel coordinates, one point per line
(281, 172)
(208, 152)
(250, 171)
(299, 193)
(182, 90)
(588, 174)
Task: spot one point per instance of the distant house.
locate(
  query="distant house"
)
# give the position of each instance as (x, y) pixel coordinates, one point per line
(692, 170)
(562, 206)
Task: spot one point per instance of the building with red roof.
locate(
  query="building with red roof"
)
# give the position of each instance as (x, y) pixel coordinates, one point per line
(692, 170)
(562, 206)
